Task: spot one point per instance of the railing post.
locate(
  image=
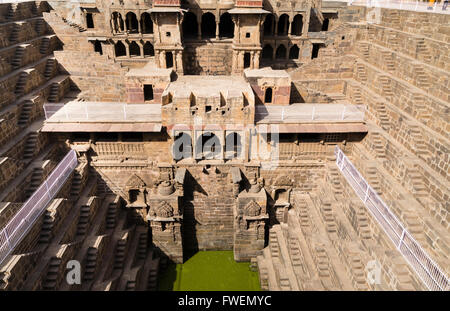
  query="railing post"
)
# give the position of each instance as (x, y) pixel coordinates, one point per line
(367, 193)
(401, 239)
(7, 240)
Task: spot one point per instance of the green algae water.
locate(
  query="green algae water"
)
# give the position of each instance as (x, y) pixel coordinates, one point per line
(210, 271)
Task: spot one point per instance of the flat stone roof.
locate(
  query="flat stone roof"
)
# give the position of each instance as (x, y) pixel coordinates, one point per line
(266, 72)
(78, 116)
(149, 70)
(209, 86)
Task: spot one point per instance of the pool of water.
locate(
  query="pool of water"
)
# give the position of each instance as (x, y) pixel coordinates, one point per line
(210, 271)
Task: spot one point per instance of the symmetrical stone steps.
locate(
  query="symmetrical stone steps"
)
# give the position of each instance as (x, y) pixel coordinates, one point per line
(74, 25)
(50, 281)
(379, 146)
(44, 45)
(54, 93)
(152, 279)
(36, 180)
(421, 112)
(91, 264)
(18, 56)
(363, 49)
(142, 246)
(25, 113)
(382, 115)
(423, 51)
(30, 146)
(46, 230)
(119, 257)
(386, 86)
(21, 82)
(111, 216)
(422, 79)
(49, 67)
(39, 26)
(418, 142)
(361, 72)
(77, 185)
(83, 220)
(371, 175)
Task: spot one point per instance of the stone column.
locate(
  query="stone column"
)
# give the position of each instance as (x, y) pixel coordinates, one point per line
(290, 26)
(127, 48)
(275, 32)
(256, 60)
(141, 49)
(252, 60)
(217, 30)
(179, 62)
(199, 22)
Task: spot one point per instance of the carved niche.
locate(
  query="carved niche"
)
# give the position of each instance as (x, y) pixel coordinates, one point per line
(252, 209)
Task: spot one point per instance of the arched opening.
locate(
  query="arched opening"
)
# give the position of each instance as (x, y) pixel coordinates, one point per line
(326, 23)
(148, 49)
(268, 95)
(190, 25)
(281, 52)
(134, 49)
(133, 195)
(98, 47)
(117, 22)
(208, 25)
(226, 26)
(269, 24)
(131, 22)
(182, 147)
(283, 25)
(267, 52)
(294, 52)
(169, 60)
(210, 146)
(119, 49)
(297, 25)
(146, 23)
(247, 60)
(233, 145)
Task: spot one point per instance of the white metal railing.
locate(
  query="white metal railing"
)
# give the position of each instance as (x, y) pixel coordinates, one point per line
(91, 111)
(311, 113)
(427, 270)
(24, 219)
(408, 5)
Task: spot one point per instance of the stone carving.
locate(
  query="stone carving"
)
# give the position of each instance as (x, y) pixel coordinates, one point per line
(163, 210)
(252, 209)
(284, 181)
(135, 182)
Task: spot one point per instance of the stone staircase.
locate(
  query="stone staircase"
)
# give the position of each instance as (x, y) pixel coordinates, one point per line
(386, 86)
(371, 175)
(74, 25)
(30, 146)
(142, 246)
(50, 282)
(39, 27)
(418, 143)
(302, 210)
(361, 72)
(20, 85)
(357, 96)
(119, 258)
(378, 146)
(393, 40)
(423, 51)
(91, 264)
(53, 97)
(49, 67)
(25, 113)
(111, 216)
(382, 115)
(417, 182)
(388, 60)
(83, 220)
(36, 180)
(421, 110)
(421, 77)
(44, 45)
(363, 49)
(14, 36)
(18, 55)
(324, 270)
(152, 281)
(11, 12)
(75, 190)
(46, 230)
